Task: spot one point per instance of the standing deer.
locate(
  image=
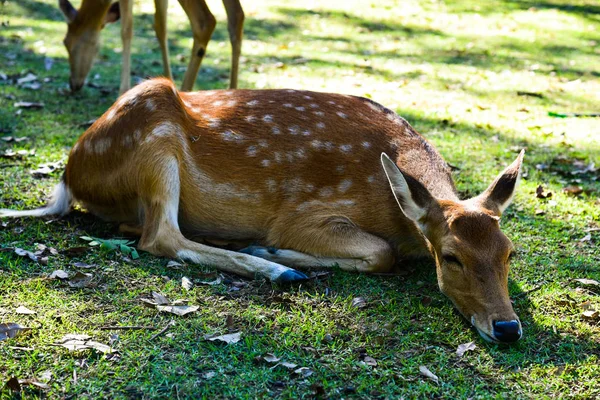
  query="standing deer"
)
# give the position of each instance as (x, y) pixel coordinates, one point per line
(299, 173)
(84, 25)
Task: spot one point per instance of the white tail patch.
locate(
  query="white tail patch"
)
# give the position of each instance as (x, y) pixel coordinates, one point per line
(59, 204)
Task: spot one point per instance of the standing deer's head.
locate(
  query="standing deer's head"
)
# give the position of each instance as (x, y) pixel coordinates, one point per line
(471, 253)
(83, 35)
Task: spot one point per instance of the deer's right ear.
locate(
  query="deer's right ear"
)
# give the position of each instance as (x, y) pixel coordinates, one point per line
(412, 197)
(68, 10)
(113, 14)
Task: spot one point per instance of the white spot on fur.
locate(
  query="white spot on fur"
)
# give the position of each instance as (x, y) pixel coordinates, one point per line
(340, 106)
(265, 163)
(288, 105)
(278, 157)
(290, 90)
(341, 114)
(250, 118)
(294, 129)
(231, 103)
(101, 145)
(314, 105)
(111, 114)
(344, 185)
(319, 113)
(128, 98)
(340, 168)
(252, 103)
(275, 130)
(290, 156)
(326, 191)
(307, 97)
(228, 92)
(316, 144)
(271, 185)
(137, 135)
(306, 132)
(300, 153)
(251, 151)
(230, 136)
(267, 118)
(263, 143)
(187, 103)
(150, 106)
(214, 122)
(371, 179)
(366, 145)
(292, 185)
(329, 146)
(217, 103)
(346, 148)
(320, 125)
(300, 108)
(373, 106)
(127, 141)
(196, 110)
(309, 188)
(331, 102)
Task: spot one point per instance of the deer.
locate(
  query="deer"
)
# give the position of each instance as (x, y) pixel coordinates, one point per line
(312, 180)
(82, 39)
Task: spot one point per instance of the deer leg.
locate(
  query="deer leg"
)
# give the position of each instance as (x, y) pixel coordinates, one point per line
(126, 10)
(160, 27)
(203, 24)
(340, 244)
(235, 25)
(161, 235)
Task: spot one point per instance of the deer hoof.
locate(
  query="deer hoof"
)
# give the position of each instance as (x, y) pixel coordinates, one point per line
(291, 276)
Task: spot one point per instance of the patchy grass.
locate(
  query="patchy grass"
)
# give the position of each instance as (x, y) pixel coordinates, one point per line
(454, 70)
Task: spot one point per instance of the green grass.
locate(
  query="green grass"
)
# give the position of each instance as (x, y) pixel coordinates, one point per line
(453, 71)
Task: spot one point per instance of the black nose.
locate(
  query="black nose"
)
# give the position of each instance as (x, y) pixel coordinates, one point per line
(507, 331)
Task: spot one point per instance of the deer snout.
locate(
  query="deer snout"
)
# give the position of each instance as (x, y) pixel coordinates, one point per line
(507, 331)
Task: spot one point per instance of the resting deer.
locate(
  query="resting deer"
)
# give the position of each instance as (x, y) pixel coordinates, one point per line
(84, 25)
(300, 174)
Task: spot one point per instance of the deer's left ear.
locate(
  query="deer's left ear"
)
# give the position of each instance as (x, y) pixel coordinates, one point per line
(113, 14)
(498, 196)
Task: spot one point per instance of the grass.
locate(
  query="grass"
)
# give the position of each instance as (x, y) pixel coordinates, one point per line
(453, 70)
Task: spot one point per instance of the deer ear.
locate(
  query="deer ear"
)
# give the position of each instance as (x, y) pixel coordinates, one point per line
(412, 197)
(113, 14)
(498, 196)
(68, 10)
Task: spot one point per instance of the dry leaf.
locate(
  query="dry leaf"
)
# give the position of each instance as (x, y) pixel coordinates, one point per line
(304, 372)
(359, 302)
(271, 358)
(80, 280)
(74, 342)
(24, 310)
(590, 314)
(587, 281)
(463, 348)
(370, 361)
(186, 283)
(160, 299)
(13, 384)
(428, 374)
(209, 374)
(288, 365)
(230, 338)
(25, 253)
(11, 330)
(573, 190)
(58, 274)
(26, 104)
(540, 193)
(215, 282)
(178, 310)
(26, 79)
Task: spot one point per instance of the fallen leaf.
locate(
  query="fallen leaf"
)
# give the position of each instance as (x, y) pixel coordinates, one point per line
(11, 330)
(174, 264)
(46, 169)
(34, 382)
(540, 212)
(463, 348)
(305, 372)
(25, 253)
(26, 104)
(370, 361)
(288, 365)
(359, 302)
(58, 274)
(27, 78)
(13, 385)
(428, 374)
(271, 358)
(208, 374)
(215, 282)
(230, 338)
(75, 342)
(186, 283)
(573, 190)
(587, 281)
(82, 265)
(160, 299)
(541, 193)
(24, 310)
(80, 280)
(590, 314)
(178, 310)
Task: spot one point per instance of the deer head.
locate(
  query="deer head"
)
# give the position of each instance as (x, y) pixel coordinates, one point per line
(83, 35)
(470, 251)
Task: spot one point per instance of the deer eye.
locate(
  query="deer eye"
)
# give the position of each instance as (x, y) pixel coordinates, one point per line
(511, 255)
(450, 259)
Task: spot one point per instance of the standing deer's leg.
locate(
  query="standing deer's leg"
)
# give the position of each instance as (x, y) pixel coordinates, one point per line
(339, 243)
(160, 27)
(126, 9)
(235, 25)
(161, 234)
(203, 24)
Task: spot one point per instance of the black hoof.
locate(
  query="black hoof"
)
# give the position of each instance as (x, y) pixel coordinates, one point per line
(291, 276)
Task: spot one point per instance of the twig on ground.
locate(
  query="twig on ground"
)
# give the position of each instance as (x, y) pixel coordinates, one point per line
(126, 328)
(163, 330)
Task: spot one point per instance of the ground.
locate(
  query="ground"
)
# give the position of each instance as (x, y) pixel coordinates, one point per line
(479, 81)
